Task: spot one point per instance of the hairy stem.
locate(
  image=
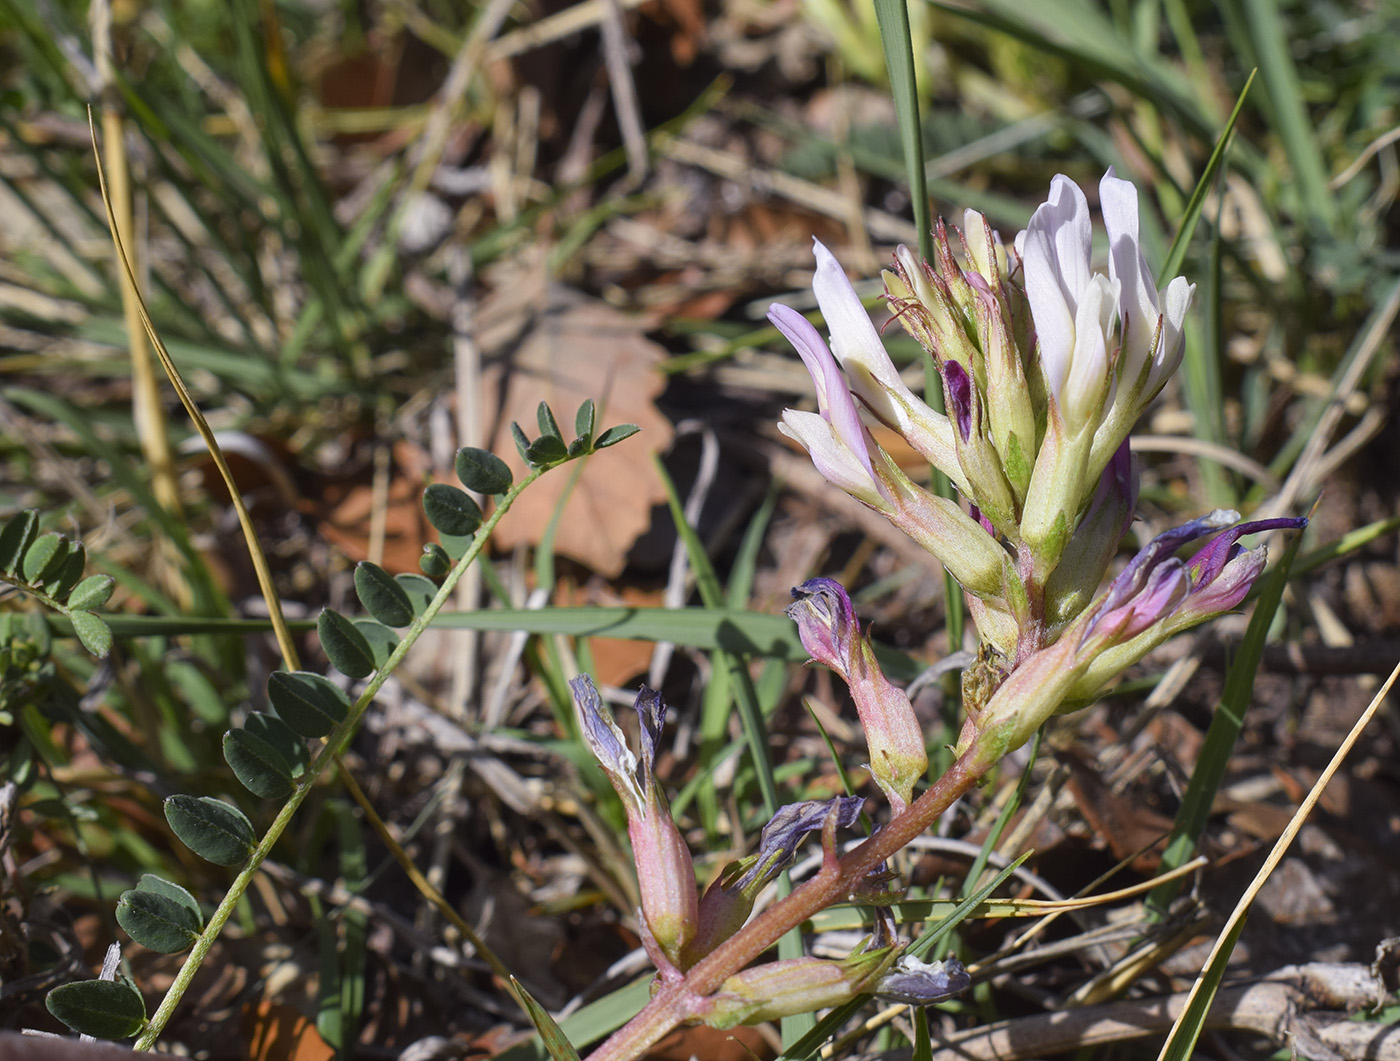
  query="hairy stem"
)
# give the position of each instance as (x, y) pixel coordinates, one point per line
(676, 1004)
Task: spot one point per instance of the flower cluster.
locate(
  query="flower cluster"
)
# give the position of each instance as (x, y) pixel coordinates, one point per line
(1045, 366)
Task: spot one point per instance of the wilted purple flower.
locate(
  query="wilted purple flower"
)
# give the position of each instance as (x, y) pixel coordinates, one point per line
(827, 624)
(665, 872)
(728, 901)
(777, 844)
(919, 983)
(1156, 596)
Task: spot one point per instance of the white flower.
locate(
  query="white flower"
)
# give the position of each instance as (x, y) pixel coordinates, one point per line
(1152, 336)
(1073, 308)
(871, 374)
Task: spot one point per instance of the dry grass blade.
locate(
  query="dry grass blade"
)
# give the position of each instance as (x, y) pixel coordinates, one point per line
(264, 574)
(1193, 1016)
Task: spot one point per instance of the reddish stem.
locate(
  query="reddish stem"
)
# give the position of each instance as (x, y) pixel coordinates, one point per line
(679, 1002)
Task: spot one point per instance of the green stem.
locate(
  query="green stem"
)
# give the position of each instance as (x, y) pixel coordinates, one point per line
(335, 744)
(673, 1005)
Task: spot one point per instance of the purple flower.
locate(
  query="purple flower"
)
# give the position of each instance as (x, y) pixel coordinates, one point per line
(1156, 596)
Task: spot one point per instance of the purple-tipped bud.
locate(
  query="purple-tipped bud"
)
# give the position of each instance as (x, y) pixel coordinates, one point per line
(958, 388)
(829, 630)
(918, 983)
(665, 872)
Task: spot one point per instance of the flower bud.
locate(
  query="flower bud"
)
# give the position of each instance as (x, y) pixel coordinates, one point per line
(665, 872)
(829, 630)
(794, 985)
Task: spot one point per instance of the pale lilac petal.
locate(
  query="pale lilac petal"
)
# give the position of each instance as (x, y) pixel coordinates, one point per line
(853, 336)
(833, 395)
(832, 457)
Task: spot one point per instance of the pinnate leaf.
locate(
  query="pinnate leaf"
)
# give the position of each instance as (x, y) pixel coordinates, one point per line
(584, 419)
(615, 434)
(104, 1009)
(15, 538)
(47, 552)
(149, 882)
(450, 510)
(419, 589)
(435, 563)
(93, 632)
(549, 426)
(273, 731)
(482, 471)
(157, 921)
(67, 574)
(92, 592)
(214, 830)
(382, 597)
(382, 640)
(258, 765)
(344, 645)
(547, 449)
(308, 703)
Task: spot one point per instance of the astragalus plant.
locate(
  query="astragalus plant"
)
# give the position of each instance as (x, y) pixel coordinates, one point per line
(1046, 366)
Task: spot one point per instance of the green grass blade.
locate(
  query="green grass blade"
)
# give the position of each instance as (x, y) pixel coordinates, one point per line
(1187, 227)
(1272, 50)
(708, 585)
(895, 38)
(555, 1042)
